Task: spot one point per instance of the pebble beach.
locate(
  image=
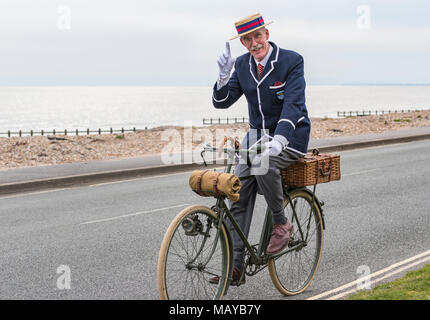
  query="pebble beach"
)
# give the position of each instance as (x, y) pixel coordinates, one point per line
(18, 152)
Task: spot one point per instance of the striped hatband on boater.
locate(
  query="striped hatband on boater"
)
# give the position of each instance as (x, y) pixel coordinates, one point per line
(249, 24)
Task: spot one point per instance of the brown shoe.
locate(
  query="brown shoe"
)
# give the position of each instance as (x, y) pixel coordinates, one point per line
(236, 274)
(280, 236)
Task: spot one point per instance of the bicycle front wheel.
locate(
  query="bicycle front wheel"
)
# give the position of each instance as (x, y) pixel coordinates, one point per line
(293, 272)
(192, 251)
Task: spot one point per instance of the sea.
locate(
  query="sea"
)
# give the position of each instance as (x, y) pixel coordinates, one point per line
(71, 108)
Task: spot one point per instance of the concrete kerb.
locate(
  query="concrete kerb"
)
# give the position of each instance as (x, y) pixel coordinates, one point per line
(109, 176)
(372, 143)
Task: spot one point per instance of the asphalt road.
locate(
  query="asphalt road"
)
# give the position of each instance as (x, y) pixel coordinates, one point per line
(109, 235)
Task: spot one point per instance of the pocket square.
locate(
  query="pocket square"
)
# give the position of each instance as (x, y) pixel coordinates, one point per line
(277, 83)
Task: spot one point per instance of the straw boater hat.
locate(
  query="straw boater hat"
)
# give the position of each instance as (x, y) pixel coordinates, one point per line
(249, 24)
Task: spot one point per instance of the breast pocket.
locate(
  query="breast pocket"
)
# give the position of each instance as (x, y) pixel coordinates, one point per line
(278, 93)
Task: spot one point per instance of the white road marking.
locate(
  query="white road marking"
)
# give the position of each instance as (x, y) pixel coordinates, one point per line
(134, 214)
(359, 172)
(134, 179)
(144, 178)
(373, 282)
(393, 266)
(32, 193)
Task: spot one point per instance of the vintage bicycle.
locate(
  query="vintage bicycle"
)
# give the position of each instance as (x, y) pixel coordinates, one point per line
(198, 245)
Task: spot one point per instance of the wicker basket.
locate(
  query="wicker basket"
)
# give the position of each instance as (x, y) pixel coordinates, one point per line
(312, 169)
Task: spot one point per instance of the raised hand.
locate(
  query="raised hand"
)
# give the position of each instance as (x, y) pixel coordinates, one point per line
(225, 62)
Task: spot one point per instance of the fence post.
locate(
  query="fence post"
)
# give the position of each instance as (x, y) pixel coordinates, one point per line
(88, 131)
(134, 129)
(65, 132)
(111, 130)
(53, 132)
(122, 130)
(42, 132)
(8, 133)
(77, 132)
(100, 131)
(20, 133)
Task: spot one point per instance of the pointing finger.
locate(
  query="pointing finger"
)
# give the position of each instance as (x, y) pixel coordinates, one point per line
(227, 48)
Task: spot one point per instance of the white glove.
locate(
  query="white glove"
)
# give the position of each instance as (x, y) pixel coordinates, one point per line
(275, 147)
(225, 64)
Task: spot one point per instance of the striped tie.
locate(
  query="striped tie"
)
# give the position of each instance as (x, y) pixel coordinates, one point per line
(260, 70)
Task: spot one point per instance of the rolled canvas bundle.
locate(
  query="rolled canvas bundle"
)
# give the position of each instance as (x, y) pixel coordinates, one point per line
(208, 183)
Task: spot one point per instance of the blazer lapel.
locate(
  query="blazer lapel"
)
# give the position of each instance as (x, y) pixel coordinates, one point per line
(270, 66)
(253, 69)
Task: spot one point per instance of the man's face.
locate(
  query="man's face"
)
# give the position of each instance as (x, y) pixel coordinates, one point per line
(257, 43)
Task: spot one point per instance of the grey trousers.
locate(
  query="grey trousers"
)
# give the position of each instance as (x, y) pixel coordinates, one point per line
(268, 184)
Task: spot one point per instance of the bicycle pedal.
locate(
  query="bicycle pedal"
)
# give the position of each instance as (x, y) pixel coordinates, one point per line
(293, 243)
(237, 283)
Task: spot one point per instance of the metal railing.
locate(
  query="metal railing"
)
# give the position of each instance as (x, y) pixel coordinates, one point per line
(209, 121)
(363, 113)
(65, 132)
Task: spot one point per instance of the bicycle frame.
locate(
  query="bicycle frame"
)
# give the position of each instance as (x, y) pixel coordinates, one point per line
(259, 257)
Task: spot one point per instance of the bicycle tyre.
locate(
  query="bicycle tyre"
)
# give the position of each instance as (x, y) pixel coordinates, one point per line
(176, 280)
(285, 270)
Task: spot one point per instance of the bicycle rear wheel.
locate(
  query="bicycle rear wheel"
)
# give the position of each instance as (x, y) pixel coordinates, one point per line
(191, 253)
(293, 272)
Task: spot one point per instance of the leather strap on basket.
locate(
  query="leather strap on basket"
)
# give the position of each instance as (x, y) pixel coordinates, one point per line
(323, 171)
(326, 171)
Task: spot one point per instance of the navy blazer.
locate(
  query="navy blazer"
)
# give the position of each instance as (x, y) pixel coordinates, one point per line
(276, 102)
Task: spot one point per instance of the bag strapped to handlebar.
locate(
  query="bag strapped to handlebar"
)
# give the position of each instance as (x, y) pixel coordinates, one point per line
(208, 183)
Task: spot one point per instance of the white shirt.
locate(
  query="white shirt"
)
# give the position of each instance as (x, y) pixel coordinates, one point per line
(266, 58)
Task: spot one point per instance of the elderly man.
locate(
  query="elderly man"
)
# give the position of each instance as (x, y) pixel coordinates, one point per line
(273, 83)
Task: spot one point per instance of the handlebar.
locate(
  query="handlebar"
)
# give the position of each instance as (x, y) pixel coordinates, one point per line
(255, 149)
(232, 152)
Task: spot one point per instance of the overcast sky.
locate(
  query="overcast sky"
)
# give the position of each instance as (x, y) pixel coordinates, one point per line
(171, 42)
